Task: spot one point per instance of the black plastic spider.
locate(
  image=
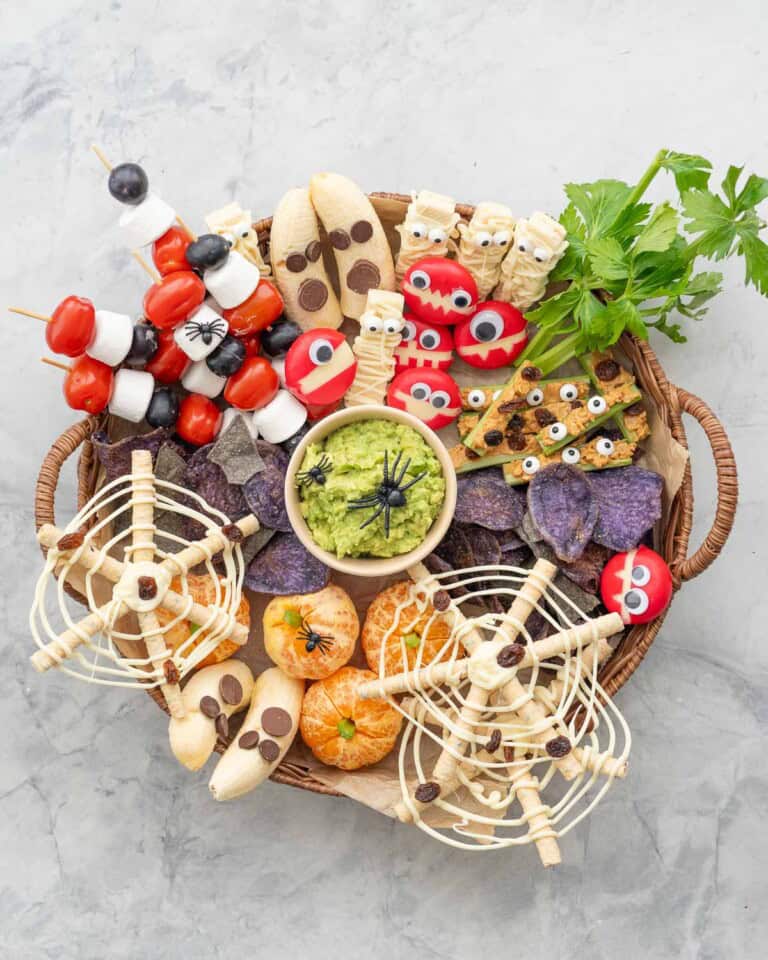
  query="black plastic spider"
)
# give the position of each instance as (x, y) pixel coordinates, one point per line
(320, 641)
(206, 329)
(316, 474)
(390, 492)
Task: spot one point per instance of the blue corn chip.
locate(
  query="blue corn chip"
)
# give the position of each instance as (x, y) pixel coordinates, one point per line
(264, 492)
(564, 509)
(208, 480)
(629, 503)
(284, 566)
(484, 498)
(116, 457)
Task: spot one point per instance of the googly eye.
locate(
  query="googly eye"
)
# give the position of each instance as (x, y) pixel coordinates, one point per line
(540, 255)
(570, 455)
(418, 230)
(460, 299)
(522, 246)
(245, 234)
(436, 235)
(391, 326)
(476, 399)
(531, 465)
(486, 326)
(596, 405)
(502, 237)
(440, 399)
(421, 391)
(429, 339)
(636, 601)
(640, 575)
(409, 330)
(535, 397)
(421, 279)
(604, 447)
(569, 391)
(483, 239)
(557, 431)
(320, 352)
(229, 237)
(372, 325)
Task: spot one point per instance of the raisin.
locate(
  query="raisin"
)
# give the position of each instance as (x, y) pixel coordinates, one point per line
(635, 410)
(544, 417)
(147, 588)
(510, 655)
(493, 438)
(558, 747)
(516, 422)
(71, 541)
(171, 672)
(509, 406)
(233, 533)
(575, 404)
(516, 441)
(530, 373)
(494, 742)
(427, 792)
(441, 601)
(607, 370)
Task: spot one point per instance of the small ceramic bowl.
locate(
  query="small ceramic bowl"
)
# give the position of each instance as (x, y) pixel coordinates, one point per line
(371, 566)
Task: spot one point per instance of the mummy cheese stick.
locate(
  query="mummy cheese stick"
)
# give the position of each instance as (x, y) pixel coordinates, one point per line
(298, 266)
(484, 243)
(360, 246)
(236, 225)
(430, 222)
(539, 243)
(380, 330)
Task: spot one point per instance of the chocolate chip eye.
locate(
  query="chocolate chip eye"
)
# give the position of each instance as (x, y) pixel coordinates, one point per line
(502, 237)
(436, 235)
(440, 399)
(421, 279)
(571, 456)
(535, 397)
(604, 447)
(296, 262)
(418, 230)
(636, 601)
(429, 340)
(596, 405)
(569, 391)
(531, 465)
(476, 399)
(320, 352)
(409, 331)
(557, 431)
(483, 239)
(640, 575)
(486, 326)
(460, 299)
(421, 391)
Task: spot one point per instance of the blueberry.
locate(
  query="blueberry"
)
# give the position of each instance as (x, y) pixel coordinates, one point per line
(227, 358)
(128, 183)
(276, 340)
(163, 408)
(208, 251)
(291, 443)
(143, 346)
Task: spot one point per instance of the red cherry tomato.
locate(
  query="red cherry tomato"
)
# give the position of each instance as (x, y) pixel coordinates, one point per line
(199, 419)
(169, 362)
(168, 252)
(258, 312)
(170, 301)
(439, 290)
(70, 329)
(493, 337)
(88, 384)
(252, 345)
(254, 385)
(637, 585)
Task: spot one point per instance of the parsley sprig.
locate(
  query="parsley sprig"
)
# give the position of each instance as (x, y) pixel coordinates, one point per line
(631, 265)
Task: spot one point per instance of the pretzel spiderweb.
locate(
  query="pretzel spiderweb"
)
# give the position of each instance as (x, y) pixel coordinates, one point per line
(127, 517)
(523, 728)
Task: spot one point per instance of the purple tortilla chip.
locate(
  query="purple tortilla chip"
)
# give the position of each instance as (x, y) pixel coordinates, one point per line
(208, 480)
(515, 557)
(584, 572)
(509, 540)
(629, 503)
(563, 508)
(455, 548)
(484, 498)
(264, 492)
(284, 566)
(116, 457)
(484, 545)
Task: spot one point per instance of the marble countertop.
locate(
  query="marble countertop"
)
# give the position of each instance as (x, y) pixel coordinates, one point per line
(107, 848)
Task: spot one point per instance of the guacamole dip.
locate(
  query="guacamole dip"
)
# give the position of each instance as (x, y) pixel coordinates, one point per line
(350, 465)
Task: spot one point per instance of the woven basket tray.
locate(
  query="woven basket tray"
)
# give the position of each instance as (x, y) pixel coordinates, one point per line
(670, 401)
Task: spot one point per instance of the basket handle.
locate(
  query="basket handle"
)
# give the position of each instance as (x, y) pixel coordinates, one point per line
(727, 486)
(48, 478)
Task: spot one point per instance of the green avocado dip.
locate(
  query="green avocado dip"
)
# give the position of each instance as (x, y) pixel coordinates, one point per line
(351, 462)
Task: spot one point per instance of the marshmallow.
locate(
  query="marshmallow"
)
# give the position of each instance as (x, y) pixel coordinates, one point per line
(233, 282)
(281, 418)
(278, 365)
(131, 394)
(147, 221)
(203, 323)
(199, 379)
(229, 417)
(112, 337)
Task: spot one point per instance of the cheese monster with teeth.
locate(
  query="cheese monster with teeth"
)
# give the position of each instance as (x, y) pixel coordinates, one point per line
(539, 243)
(485, 241)
(381, 327)
(430, 223)
(236, 225)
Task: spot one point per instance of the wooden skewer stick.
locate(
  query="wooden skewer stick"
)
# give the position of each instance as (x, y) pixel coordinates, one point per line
(186, 228)
(145, 266)
(54, 363)
(30, 313)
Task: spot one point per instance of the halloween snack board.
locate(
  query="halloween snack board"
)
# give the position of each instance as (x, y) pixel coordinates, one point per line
(470, 674)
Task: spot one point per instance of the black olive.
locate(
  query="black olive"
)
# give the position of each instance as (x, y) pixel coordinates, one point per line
(128, 183)
(227, 358)
(163, 408)
(208, 251)
(276, 340)
(143, 346)
(291, 443)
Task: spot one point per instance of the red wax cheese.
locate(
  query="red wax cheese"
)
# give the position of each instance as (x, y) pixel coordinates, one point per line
(169, 251)
(71, 327)
(493, 337)
(320, 367)
(430, 395)
(441, 291)
(88, 384)
(170, 301)
(637, 585)
(424, 345)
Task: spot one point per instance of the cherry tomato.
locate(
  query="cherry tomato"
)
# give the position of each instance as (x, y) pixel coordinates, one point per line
(258, 312)
(71, 327)
(199, 420)
(168, 252)
(169, 362)
(254, 385)
(252, 345)
(88, 384)
(170, 301)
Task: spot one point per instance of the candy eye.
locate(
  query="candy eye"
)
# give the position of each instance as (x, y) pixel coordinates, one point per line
(245, 234)
(440, 399)
(476, 399)
(640, 575)
(421, 279)
(421, 391)
(596, 405)
(486, 326)
(604, 447)
(568, 391)
(531, 465)
(483, 239)
(540, 255)
(418, 230)
(502, 237)
(460, 299)
(557, 431)
(409, 330)
(636, 601)
(321, 352)
(229, 237)
(436, 235)
(392, 326)
(535, 397)
(429, 340)
(570, 455)
(522, 246)
(373, 325)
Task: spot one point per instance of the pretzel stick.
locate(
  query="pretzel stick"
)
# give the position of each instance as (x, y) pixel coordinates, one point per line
(66, 643)
(536, 814)
(202, 550)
